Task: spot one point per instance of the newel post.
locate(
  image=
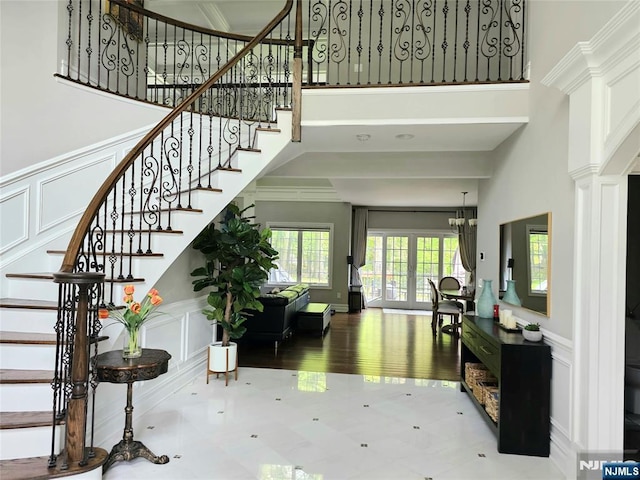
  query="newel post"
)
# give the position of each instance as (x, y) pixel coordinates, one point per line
(77, 324)
(296, 135)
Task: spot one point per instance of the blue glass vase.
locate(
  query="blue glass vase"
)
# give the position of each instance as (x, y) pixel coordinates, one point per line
(486, 300)
(510, 296)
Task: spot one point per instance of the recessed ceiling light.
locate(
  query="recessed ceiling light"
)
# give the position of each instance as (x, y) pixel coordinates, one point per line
(404, 136)
(363, 137)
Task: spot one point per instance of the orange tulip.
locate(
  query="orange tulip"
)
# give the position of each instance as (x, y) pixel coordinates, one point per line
(129, 289)
(135, 307)
(103, 313)
(128, 298)
(156, 300)
(153, 292)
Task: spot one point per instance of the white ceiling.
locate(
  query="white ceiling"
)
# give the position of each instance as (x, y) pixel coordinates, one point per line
(430, 168)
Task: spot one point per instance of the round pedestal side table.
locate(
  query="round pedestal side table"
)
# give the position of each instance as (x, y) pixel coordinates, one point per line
(112, 368)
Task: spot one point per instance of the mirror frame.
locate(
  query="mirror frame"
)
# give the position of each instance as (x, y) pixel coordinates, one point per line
(506, 253)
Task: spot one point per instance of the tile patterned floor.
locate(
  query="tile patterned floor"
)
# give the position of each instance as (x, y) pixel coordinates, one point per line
(296, 425)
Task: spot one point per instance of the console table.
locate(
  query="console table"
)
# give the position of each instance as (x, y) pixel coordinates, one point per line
(523, 370)
(112, 368)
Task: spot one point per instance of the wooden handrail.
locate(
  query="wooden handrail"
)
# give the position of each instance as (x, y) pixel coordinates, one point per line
(84, 224)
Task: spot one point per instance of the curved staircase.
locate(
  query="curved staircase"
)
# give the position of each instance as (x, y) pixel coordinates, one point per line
(27, 337)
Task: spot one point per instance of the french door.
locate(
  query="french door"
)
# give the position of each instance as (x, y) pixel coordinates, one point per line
(399, 265)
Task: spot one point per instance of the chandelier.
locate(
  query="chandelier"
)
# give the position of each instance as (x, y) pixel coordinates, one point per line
(458, 222)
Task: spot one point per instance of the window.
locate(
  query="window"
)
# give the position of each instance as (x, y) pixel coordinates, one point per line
(538, 247)
(304, 254)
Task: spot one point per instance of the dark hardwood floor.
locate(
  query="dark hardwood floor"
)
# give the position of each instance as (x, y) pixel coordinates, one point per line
(367, 343)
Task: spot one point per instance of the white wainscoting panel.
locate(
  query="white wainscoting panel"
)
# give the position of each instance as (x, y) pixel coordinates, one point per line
(561, 399)
(164, 332)
(199, 332)
(64, 195)
(14, 212)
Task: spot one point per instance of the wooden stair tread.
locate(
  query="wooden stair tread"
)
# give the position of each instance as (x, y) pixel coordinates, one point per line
(144, 232)
(36, 468)
(8, 376)
(123, 280)
(34, 338)
(49, 276)
(245, 149)
(24, 338)
(124, 254)
(206, 189)
(267, 129)
(28, 303)
(38, 275)
(163, 210)
(27, 419)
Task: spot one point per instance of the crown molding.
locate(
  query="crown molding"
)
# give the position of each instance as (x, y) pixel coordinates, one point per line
(296, 194)
(585, 171)
(618, 41)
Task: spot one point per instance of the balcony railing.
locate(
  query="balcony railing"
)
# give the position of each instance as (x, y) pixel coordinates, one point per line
(130, 51)
(420, 42)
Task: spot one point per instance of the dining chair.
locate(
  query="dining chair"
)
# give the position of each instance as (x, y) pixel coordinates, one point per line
(449, 283)
(443, 307)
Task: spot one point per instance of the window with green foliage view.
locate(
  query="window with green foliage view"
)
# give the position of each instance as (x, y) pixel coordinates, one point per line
(304, 255)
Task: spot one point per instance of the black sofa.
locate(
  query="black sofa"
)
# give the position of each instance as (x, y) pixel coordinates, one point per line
(277, 321)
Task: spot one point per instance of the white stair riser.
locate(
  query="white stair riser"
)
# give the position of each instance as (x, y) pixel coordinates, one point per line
(27, 320)
(26, 397)
(29, 442)
(27, 357)
(42, 289)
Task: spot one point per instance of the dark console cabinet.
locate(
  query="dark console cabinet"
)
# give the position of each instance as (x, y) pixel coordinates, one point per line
(523, 370)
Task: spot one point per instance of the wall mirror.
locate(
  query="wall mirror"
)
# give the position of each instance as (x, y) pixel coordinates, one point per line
(525, 258)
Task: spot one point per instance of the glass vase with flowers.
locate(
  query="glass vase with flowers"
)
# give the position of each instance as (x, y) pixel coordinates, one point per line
(132, 316)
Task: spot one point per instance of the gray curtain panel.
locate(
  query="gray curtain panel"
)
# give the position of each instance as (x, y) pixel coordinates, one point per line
(359, 242)
(467, 241)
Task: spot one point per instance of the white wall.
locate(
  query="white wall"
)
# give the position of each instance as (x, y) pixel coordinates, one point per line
(42, 117)
(531, 170)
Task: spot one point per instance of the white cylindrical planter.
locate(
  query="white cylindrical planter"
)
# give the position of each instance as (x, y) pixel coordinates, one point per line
(222, 360)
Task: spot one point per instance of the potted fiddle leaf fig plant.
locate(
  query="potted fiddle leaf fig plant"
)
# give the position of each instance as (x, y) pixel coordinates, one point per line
(238, 256)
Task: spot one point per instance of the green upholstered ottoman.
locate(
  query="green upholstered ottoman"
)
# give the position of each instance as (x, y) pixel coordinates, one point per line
(314, 318)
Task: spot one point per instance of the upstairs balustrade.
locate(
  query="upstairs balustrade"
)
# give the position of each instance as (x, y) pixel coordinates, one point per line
(418, 42)
(124, 49)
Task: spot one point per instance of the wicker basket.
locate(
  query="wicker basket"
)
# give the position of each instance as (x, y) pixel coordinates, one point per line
(491, 400)
(470, 372)
(474, 372)
(480, 386)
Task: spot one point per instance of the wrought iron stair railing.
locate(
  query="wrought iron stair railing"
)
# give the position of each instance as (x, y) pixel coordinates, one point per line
(155, 179)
